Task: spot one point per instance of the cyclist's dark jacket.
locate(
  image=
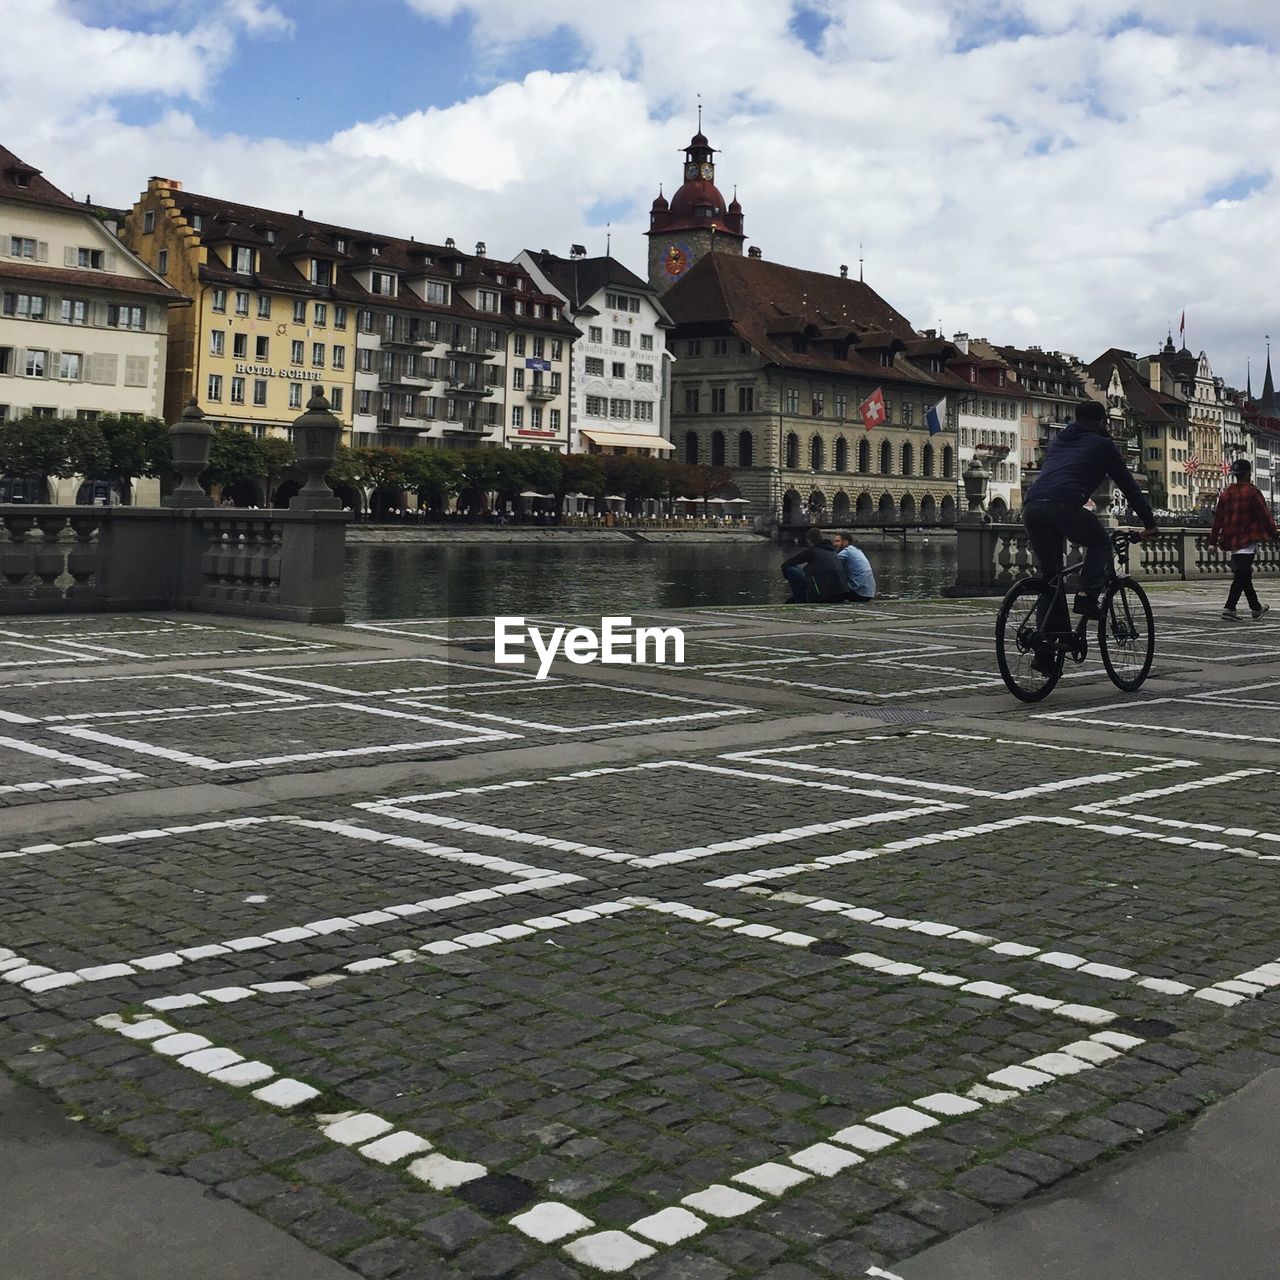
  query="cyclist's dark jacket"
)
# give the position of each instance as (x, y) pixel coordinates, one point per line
(1074, 465)
(824, 570)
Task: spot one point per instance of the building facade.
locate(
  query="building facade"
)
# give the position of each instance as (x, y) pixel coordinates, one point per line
(414, 344)
(1155, 421)
(989, 415)
(772, 364)
(1052, 386)
(1189, 379)
(83, 322)
(619, 399)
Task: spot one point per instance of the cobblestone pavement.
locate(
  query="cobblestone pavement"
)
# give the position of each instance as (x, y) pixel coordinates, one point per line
(787, 962)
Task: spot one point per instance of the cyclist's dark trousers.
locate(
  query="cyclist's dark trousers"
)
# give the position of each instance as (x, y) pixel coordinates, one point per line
(1242, 567)
(1048, 522)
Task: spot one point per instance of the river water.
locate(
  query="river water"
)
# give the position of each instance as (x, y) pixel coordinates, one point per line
(433, 580)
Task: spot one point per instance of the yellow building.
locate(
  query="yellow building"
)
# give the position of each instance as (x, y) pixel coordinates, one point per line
(274, 310)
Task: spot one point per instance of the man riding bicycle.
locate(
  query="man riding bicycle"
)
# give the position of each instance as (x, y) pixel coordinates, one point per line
(1079, 457)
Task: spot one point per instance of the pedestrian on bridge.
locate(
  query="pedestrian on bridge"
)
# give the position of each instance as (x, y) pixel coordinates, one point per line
(1241, 521)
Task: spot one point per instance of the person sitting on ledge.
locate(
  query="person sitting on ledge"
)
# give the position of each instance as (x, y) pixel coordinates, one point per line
(860, 581)
(815, 574)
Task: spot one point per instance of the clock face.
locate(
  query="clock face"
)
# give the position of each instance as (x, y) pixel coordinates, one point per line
(705, 171)
(690, 172)
(676, 261)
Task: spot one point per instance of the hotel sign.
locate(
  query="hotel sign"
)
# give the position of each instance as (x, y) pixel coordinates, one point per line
(270, 371)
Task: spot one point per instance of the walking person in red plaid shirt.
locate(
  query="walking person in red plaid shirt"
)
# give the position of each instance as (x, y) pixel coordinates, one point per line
(1241, 521)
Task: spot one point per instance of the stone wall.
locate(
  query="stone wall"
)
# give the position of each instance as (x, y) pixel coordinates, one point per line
(269, 564)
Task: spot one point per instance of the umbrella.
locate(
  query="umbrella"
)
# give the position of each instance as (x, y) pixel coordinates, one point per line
(747, 501)
(614, 497)
(529, 493)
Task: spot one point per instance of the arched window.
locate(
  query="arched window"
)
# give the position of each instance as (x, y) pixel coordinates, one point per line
(864, 456)
(745, 447)
(948, 461)
(717, 448)
(908, 460)
(815, 453)
(886, 458)
(926, 459)
(691, 446)
(842, 454)
(793, 450)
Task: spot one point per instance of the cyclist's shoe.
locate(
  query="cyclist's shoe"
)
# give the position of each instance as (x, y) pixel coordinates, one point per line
(1045, 661)
(1257, 613)
(1087, 606)
(1230, 615)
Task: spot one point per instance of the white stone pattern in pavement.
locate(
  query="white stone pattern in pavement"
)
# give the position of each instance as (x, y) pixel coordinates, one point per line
(378, 1140)
(912, 807)
(791, 757)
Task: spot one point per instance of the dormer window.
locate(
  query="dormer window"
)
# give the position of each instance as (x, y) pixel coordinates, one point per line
(383, 283)
(269, 235)
(973, 373)
(242, 260)
(21, 178)
(197, 221)
(321, 271)
(374, 251)
(886, 359)
(340, 243)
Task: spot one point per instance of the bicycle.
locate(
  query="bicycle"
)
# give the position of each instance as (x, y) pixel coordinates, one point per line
(1126, 631)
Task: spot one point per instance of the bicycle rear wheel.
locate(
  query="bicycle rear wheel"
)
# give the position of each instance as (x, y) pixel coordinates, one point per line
(1020, 644)
(1127, 634)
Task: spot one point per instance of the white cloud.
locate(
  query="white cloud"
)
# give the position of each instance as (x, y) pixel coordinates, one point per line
(1036, 172)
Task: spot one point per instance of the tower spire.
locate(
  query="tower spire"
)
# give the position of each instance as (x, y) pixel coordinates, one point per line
(1268, 407)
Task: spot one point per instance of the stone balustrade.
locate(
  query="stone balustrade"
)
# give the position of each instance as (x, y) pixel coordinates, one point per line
(271, 564)
(990, 558)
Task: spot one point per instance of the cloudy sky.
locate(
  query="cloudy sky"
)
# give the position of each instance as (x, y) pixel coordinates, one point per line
(1072, 173)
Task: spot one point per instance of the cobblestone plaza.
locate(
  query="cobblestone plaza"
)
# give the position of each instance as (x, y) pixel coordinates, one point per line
(787, 962)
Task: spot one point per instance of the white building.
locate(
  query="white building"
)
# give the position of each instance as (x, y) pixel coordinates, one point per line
(619, 399)
(83, 322)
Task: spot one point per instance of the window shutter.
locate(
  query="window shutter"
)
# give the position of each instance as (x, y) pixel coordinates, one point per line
(108, 369)
(69, 256)
(136, 370)
(55, 358)
(109, 261)
(42, 251)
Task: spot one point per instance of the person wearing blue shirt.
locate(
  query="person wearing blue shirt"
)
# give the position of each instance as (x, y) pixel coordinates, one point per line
(859, 579)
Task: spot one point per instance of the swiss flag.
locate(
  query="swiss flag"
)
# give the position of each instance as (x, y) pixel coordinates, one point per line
(872, 409)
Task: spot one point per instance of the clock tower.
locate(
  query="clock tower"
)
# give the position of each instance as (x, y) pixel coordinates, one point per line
(696, 221)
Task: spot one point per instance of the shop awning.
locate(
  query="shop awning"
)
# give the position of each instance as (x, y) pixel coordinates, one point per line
(626, 440)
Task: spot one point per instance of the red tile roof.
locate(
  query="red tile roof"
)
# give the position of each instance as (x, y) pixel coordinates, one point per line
(105, 281)
(38, 191)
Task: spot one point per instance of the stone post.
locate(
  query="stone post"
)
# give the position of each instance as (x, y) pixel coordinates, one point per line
(190, 439)
(316, 434)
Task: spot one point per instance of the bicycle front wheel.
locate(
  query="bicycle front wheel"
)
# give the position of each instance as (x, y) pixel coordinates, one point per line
(1029, 664)
(1127, 634)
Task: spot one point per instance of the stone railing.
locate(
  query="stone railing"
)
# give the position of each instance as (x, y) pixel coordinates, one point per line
(271, 564)
(991, 557)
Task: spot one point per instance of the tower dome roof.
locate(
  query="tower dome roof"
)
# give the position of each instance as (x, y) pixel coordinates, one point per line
(697, 194)
(659, 203)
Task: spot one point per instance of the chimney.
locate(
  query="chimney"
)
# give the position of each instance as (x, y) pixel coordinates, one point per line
(755, 252)
(480, 248)
(961, 343)
(844, 271)
(172, 183)
(301, 214)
